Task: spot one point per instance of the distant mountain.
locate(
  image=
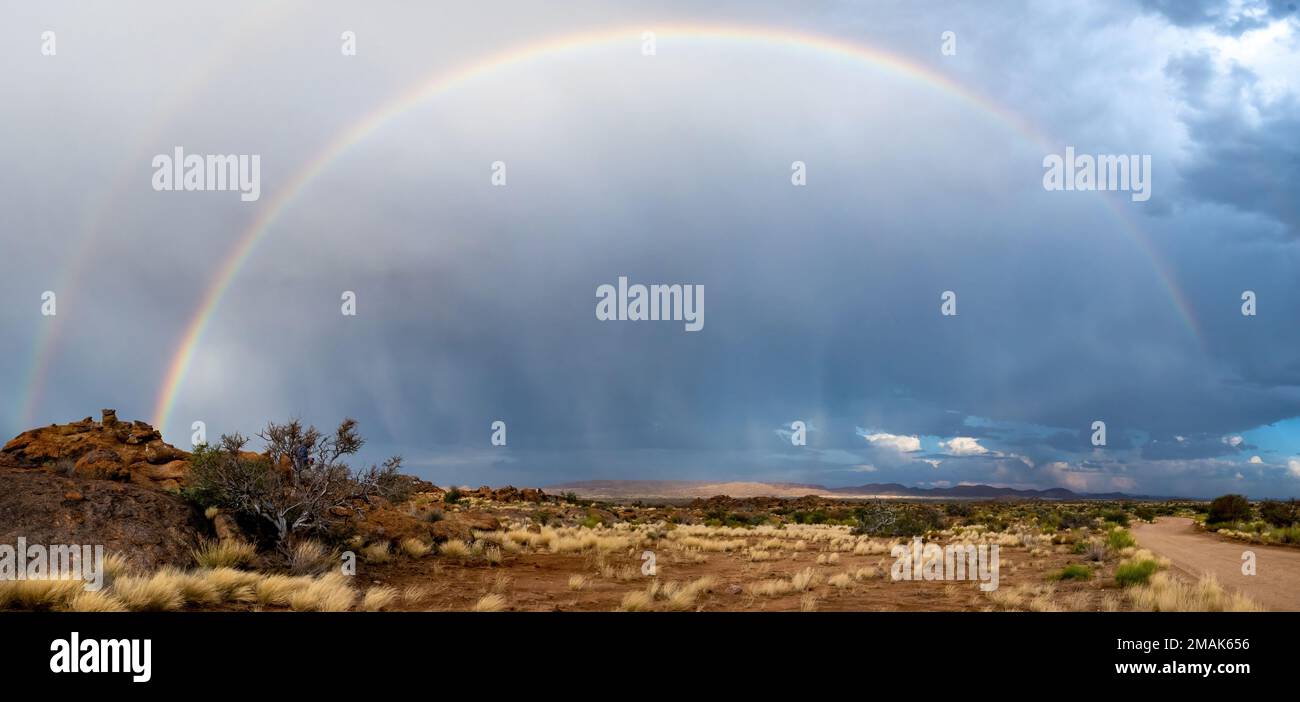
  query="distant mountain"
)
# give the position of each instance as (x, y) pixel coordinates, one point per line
(685, 489)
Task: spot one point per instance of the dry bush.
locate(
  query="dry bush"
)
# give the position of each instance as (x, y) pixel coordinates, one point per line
(454, 548)
(415, 548)
(805, 580)
(308, 496)
(841, 580)
(808, 603)
(224, 554)
(867, 573)
(377, 553)
(636, 601)
(577, 582)
(1164, 593)
(309, 557)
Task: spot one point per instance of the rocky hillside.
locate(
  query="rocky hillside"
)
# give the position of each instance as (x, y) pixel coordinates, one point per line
(108, 450)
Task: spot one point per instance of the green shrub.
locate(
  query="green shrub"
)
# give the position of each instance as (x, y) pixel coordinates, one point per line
(1116, 516)
(1135, 572)
(1279, 514)
(1119, 539)
(1073, 571)
(1228, 509)
(452, 496)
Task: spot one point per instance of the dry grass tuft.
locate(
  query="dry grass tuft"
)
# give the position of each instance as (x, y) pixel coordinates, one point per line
(378, 598)
(328, 593)
(224, 554)
(454, 548)
(1164, 593)
(415, 548)
(377, 552)
(491, 602)
(160, 592)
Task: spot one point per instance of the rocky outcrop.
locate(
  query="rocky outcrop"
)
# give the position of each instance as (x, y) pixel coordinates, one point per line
(109, 449)
(149, 527)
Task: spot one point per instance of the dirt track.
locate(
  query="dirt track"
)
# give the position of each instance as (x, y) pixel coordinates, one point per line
(1276, 584)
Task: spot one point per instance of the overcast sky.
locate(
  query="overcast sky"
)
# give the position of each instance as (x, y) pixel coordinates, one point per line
(476, 303)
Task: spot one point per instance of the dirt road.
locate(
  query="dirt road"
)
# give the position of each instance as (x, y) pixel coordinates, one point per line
(1276, 584)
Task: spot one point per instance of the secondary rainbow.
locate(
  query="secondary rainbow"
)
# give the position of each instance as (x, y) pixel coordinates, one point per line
(631, 37)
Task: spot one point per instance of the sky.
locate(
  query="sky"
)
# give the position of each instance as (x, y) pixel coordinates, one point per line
(923, 159)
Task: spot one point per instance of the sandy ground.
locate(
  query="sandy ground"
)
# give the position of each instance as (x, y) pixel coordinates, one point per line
(539, 582)
(1276, 584)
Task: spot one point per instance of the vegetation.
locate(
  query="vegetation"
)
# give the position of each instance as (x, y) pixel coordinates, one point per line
(1073, 571)
(1135, 572)
(299, 485)
(1228, 509)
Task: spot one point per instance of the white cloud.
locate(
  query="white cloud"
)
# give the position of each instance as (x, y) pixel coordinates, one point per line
(963, 446)
(1233, 441)
(1256, 459)
(1293, 467)
(900, 443)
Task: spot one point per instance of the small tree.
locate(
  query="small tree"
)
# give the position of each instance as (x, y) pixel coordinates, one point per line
(1227, 509)
(1280, 514)
(297, 485)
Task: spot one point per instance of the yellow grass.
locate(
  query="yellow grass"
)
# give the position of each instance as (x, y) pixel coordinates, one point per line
(98, 601)
(454, 548)
(491, 602)
(38, 594)
(377, 552)
(1165, 593)
(378, 598)
(415, 548)
(415, 594)
(329, 593)
(160, 592)
(224, 554)
(577, 582)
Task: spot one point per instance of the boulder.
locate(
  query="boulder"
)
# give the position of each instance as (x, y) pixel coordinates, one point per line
(150, 528)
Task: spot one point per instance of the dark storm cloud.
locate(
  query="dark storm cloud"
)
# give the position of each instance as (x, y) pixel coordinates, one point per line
(822, 303)
(1224, 16)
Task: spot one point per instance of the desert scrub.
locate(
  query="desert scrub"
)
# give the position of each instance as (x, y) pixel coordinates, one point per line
(224, 554)
(1167, 594)
(1119, 539)
(1135, 572)
(1074, 571)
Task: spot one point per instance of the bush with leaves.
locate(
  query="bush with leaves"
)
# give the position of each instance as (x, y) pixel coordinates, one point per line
(1280, 514)
(1228, 509)
(298, 485)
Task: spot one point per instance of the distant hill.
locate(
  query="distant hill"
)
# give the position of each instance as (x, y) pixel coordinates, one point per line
(686, 489)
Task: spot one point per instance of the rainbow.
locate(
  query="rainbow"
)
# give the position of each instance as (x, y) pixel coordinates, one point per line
(443, 81)
(268, 19)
